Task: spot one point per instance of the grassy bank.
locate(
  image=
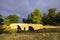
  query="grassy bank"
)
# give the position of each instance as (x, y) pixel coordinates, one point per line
(45, 34)
(30, 36)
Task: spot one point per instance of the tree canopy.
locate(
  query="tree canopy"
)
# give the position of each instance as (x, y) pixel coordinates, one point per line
(57, 19)
(12, 18)
(34, 17)
(50, 17)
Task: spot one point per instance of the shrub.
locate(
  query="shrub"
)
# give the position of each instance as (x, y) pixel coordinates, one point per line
(7, 22)
(7, 29)
(1, 29)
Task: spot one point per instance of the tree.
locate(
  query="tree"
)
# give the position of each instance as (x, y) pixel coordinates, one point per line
(12, 18)
(57, 19)
(49, 19)
(1, 19)
(51, 16)
(24, 20)
(45, 19)
(34, 17)
(52, 12)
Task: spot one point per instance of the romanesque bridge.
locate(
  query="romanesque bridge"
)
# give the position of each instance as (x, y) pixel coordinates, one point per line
(26, 27)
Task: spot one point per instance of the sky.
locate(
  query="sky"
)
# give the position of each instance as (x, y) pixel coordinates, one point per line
(24, 7)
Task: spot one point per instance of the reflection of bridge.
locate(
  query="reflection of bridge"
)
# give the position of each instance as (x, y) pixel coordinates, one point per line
(26, 27)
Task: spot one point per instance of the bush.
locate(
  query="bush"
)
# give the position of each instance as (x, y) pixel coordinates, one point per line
(7, 22)
(1, 29)
(57, 24)
(7, 29)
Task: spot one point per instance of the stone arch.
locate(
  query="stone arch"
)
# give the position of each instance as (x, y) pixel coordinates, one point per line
(31, 28)
(24, 28)
(18, 28)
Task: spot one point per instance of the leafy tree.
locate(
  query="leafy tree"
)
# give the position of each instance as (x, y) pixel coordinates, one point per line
(52, 12)
(34, 17)
(45, 19)
(49, 19)
(24, 20)
(51, 16)
(12, 18)
(1, 19)
(57, 19)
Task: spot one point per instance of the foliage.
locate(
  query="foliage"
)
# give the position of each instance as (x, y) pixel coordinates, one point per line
(34, 17)
(57, 19)
(49, 18)
(24, 20)
(1, 29)
(7, 28)
(45, 19)
(51, 15)
(1, 19)
(7, 22)
(13, 18)
(52, 12)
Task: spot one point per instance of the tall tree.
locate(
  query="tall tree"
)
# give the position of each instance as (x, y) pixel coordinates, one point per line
(45, 19)
(49, 19)
(57, 18)
(51, 15)
(24, 20)
(52, 12)
(35, 16)
(13, 18)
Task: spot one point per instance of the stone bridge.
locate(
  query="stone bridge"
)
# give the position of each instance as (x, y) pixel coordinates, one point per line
(25, 26)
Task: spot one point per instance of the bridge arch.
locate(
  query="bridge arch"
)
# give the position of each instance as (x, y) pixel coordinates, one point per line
(31, 28)
(18, 28)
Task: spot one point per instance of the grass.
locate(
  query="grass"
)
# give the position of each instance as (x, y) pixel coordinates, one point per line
(30, 36)
(45, 34)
